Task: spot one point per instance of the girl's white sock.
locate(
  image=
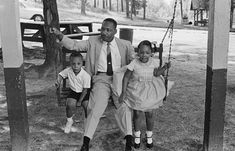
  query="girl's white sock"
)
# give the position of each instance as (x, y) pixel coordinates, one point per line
(149, 137)
(137, 137)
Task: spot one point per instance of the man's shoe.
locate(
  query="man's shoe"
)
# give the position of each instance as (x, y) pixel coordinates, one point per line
(128, 148)
(84, 148)
(68, 126)
(129, 143)
(136, 146)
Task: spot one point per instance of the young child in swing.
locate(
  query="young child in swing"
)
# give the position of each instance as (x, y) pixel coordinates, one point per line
(143, 90)
(79, 84)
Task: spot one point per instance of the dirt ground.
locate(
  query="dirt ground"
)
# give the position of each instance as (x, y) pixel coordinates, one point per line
(178, 124)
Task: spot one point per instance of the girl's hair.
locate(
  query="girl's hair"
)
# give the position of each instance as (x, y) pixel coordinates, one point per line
(145, 43)
(76, 54)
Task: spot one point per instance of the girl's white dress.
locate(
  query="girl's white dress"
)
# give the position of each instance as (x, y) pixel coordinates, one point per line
(144, 90)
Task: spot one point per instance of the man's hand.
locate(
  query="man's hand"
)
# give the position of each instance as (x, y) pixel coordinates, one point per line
(57, 33)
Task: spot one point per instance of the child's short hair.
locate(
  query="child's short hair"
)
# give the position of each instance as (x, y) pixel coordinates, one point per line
(76, 54)
(145, 43)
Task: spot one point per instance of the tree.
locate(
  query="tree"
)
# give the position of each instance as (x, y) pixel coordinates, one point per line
(53, 49)
(83, 7)
(127, 9)
(94, 3)
(103, 4)
(144, 7)
(122, 7)
(110, 5)
(117, 5)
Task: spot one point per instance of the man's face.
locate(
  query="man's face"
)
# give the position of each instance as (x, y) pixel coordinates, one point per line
(108, 31)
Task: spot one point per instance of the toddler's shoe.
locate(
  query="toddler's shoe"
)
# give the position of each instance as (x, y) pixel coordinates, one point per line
(68, 126)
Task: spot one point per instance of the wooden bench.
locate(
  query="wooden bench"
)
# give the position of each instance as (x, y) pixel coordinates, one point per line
(34, 31)
(203, 22)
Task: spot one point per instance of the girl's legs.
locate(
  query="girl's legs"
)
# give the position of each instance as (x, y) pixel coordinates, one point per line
(149, 120)
(137, 121)
(150, 124)
(70, 111)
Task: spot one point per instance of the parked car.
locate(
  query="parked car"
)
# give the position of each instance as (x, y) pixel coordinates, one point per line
(30, 13)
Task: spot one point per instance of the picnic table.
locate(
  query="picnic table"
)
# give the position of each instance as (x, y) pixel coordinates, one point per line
(34, 31)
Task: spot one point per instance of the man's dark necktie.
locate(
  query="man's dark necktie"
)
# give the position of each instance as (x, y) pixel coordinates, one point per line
(109, 61)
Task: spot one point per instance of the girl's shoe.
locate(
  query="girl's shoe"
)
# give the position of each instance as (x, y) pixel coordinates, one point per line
(137, 139)
(149, 145)
(136, 146)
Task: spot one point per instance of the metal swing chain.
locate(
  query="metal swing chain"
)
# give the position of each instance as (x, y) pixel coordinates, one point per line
(171, 27)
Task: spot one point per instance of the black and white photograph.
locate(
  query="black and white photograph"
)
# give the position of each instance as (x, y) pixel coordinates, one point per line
(117, 75)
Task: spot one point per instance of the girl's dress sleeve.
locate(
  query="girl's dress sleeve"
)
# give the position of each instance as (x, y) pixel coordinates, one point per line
(131, 65)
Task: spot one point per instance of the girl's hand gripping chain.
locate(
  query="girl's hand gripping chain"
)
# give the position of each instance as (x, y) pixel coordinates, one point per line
(160, 70)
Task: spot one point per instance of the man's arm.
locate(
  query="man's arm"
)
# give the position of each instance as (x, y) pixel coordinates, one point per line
(68, 43)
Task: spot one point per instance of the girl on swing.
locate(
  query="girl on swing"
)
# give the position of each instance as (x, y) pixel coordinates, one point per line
(143, 90)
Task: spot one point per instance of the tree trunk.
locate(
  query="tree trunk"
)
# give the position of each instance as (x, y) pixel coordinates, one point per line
(117, 5)
(106, 3)
(144, 5)
(127, 9)
(181, 9)
(132, 9)
(94, 3)
(53, 49)
(103, 4)
(122, 7)
(110, 5)
(83, 7)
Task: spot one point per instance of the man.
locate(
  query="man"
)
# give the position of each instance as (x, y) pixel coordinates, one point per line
(105, 54)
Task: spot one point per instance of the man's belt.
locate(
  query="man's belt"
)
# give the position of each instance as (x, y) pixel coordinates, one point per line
(98, 73)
